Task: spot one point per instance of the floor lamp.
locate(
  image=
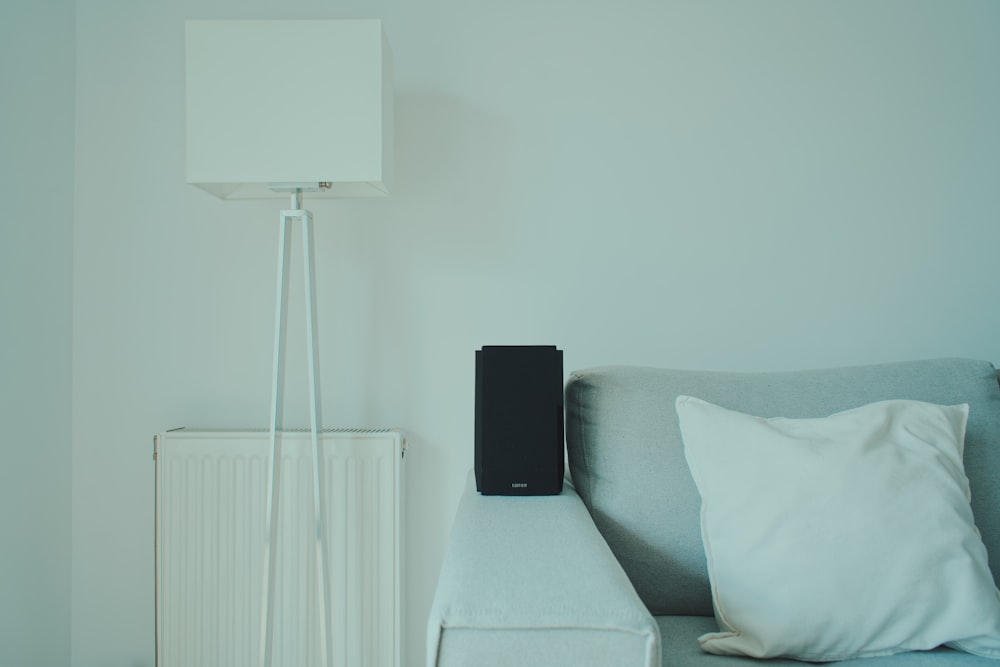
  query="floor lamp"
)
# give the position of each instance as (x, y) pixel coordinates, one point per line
(287, 109)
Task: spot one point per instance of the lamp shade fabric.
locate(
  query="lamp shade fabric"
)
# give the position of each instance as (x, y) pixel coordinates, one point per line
(279, 102)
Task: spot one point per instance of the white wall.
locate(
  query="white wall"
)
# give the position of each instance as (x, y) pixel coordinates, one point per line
(712, 184)
(36, 254)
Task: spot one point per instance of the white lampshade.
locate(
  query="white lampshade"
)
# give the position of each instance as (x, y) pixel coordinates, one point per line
(278, 102)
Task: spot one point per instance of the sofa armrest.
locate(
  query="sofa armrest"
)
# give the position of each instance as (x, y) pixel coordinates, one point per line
(529, 580)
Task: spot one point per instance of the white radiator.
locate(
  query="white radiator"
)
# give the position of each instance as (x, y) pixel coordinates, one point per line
(211, 494)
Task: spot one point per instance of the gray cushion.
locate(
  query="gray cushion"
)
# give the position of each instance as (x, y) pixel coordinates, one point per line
(627, 462)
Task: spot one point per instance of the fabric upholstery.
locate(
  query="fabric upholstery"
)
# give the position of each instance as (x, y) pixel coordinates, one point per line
(531, 581)
(528, 580)
(627, 462)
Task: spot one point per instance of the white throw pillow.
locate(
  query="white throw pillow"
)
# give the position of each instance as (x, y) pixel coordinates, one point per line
(841, 537)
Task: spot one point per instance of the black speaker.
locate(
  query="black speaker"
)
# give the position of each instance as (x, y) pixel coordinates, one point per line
(519, 420)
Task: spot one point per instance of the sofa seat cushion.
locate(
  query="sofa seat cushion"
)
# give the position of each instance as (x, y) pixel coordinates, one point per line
(680, 634)
(840, 537)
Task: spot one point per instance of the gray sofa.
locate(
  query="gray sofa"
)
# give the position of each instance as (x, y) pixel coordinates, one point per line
(613, 571)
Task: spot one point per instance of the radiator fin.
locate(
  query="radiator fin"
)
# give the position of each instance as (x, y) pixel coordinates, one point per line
(211, 503)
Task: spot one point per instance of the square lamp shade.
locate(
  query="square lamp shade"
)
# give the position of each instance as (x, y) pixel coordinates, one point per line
(276, 103)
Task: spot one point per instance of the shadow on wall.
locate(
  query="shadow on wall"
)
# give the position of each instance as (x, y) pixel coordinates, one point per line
(384, 264)
(453, 179)
(448, 219)
(447, 216)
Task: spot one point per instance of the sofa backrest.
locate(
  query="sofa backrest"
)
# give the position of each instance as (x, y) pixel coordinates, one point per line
(626, 457)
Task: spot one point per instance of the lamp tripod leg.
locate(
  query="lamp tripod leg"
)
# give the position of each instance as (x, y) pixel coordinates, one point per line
(274, 470)
(274, 464)
(312, 334)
